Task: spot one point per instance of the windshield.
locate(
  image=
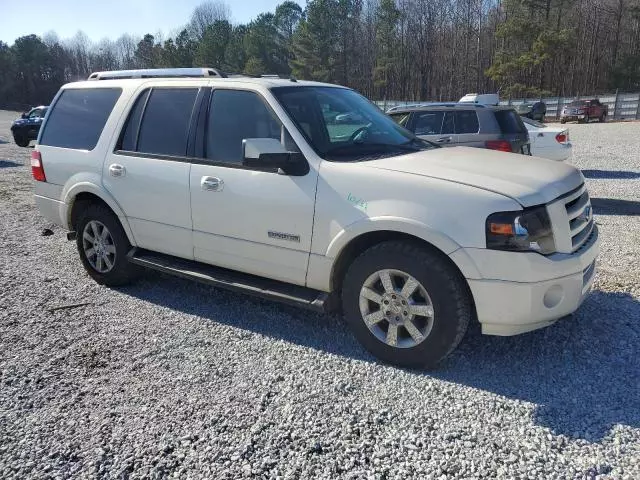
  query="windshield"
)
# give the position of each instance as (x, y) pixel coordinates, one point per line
(342, 125)
(533, 122)
(578, 103)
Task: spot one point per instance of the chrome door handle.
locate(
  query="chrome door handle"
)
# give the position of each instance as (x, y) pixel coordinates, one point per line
(444, 140)
(211, 184)
(116, 170)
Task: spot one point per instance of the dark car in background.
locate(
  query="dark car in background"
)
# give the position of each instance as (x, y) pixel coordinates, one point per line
(466, 125)
(534, 111)
(27, 127)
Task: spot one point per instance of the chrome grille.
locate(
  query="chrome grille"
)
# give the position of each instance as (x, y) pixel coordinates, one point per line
(580, 215)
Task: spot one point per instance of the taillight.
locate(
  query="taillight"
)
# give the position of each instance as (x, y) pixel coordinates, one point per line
(37, 170)
(501, 145)
(562, 137)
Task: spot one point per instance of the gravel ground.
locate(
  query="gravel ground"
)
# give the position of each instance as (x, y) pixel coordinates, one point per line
(170, 379)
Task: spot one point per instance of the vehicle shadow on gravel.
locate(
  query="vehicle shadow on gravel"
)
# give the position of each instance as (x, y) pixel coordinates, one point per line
(615, 206)
(611, 174)
(9, 164)
(582, 373)
(272, 319)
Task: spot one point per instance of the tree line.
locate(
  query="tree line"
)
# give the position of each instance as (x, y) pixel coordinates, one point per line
(386, 49)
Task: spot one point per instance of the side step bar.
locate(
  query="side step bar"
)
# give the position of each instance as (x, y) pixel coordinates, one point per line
(231, 280)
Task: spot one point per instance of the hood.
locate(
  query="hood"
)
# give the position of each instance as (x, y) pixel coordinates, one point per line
(528, 180)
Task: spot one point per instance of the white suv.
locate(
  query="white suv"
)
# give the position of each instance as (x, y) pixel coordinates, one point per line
(253, 184)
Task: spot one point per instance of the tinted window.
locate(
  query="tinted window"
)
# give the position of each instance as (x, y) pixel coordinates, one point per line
(129, 137)
(401, 118)
(467, 122)
(429, 123)
(509, 121)
(447, 124)
(236, 115)
(78, 117)
(165, 123)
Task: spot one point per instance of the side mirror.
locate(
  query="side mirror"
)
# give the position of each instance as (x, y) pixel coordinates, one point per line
(268, 153)
(24, 115)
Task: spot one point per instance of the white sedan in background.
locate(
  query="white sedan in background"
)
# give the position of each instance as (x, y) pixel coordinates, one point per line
(548, 141)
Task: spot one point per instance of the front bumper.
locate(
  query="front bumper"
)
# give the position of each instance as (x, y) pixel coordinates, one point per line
(520, 292)
(573, 118)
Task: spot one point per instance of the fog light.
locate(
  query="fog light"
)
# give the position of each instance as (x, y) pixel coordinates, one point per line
(553, 296)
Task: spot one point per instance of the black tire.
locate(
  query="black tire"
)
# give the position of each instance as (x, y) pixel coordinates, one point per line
(122, 272)
(21, 141)
(563, 121)
(447, 291)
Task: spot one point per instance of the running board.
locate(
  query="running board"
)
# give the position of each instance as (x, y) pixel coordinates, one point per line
(231, 280)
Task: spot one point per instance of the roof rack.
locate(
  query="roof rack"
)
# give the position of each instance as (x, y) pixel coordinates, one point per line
(158, 73)
(400, 108)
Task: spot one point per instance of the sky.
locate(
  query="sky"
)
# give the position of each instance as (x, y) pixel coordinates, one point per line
(111, 18)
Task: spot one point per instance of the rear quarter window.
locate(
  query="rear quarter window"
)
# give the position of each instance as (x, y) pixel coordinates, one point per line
(509, 121)
(78, 117)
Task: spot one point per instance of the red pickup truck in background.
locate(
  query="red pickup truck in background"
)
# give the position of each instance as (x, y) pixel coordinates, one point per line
(583, 111)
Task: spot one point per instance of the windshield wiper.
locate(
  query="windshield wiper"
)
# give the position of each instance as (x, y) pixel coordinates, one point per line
(368, 148)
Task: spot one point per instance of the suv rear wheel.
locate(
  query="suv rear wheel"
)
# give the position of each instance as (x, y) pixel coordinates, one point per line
(103, 247)
(405, 304)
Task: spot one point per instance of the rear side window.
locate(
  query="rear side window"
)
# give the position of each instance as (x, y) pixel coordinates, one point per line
(78, 117)
(467, 122)
(429, 123)
(165, 123)
(509, 121)
(129, 139)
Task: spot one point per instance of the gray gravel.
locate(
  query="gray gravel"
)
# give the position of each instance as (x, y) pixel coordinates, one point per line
(169, 379)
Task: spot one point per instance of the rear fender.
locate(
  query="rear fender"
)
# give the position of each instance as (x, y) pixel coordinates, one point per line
(90, 183)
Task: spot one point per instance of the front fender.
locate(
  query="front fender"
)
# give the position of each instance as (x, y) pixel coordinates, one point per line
(90, 183)
(395, 224)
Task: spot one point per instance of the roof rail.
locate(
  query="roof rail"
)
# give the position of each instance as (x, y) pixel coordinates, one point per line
(399, 108)
(158, 73)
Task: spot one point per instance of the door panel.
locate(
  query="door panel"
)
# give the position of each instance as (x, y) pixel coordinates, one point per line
(259, 222)
(255, 221)
(154, 194)
(148, 174)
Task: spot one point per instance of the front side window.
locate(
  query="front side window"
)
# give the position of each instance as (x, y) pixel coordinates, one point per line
(78, 117)
(236, 115)
(342, 125)
(165, 122)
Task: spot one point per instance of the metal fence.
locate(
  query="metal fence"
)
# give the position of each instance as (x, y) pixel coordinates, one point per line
(622, 106)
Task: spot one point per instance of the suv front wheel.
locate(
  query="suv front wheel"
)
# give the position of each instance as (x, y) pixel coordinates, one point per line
(103, 246)
(406, 304)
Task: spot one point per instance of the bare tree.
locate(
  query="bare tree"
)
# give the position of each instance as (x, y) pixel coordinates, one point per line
(207, 14)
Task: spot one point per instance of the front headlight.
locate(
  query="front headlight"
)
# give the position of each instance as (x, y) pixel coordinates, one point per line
(527, 230)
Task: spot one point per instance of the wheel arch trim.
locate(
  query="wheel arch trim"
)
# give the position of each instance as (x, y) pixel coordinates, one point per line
(70, 194)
